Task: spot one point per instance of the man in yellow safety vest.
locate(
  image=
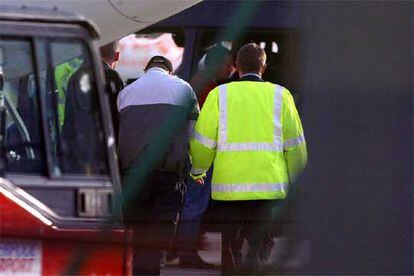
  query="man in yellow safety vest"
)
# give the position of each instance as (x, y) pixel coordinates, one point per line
(252, 132)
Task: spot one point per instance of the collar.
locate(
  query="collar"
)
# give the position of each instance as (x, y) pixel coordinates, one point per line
(251, 77)
(251, 74)
(157, 69)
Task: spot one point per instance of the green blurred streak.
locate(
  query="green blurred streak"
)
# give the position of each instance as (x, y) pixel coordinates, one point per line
(236, 26)
(241, 19)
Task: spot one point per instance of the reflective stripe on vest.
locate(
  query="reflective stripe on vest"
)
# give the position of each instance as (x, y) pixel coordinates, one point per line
(223, 145)
(209, 143)
(249, 187)
(293, 142)
(196, 171)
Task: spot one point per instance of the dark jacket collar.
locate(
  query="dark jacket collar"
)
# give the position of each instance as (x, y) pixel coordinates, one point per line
(251, 77)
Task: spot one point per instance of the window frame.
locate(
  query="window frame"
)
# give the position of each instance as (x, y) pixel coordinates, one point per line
(29, 40)
(49, 184)
(49, 42)
(62, 32)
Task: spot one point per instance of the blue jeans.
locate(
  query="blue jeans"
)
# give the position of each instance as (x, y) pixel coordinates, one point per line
(196, 202)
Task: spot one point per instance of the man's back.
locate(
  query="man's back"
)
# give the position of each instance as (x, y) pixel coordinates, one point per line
(247, 128)
(155, 87)
(252, 132)
(155, 111)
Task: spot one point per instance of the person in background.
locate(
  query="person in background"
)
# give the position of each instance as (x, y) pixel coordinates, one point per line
(114, 84)
(63, 73)
(81, 137)
(158, 113)
(252, 132)
(218, 66)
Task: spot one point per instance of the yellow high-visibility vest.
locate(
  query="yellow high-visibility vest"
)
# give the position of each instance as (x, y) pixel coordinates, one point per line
(63, 73)
(252, 132)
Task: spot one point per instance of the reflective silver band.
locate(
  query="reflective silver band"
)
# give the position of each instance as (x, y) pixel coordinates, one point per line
(250, 187)
(294, 142)
(210, 143)
(195, 171)
(222, 114)
(277, 118)
(223, 145)
(250, 147)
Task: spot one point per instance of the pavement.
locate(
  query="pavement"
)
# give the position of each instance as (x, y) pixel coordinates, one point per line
(282, 259)
(211, 255)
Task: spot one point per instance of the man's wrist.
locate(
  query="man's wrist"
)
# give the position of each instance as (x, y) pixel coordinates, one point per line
(197, 174)
(197, 177)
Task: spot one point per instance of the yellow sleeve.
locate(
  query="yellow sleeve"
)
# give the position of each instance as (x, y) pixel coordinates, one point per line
(294, 143)
(203, 143)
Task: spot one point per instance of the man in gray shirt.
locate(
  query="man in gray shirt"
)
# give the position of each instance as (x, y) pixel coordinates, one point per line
(157, 114)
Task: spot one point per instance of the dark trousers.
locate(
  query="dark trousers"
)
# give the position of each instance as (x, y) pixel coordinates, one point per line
(243, 220)
(153, 219)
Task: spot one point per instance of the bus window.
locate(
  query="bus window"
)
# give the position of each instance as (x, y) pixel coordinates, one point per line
(74, 120)
(24, 152)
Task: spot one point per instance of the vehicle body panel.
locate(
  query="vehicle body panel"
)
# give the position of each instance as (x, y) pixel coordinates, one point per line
(41, 213)
(26, 220)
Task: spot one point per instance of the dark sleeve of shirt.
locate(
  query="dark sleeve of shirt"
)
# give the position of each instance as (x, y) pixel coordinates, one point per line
(113, 81)
(114, 84)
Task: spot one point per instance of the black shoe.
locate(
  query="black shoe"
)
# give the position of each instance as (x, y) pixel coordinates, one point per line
(194, 262)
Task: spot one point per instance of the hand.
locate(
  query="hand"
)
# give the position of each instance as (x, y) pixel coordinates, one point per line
(200, 181)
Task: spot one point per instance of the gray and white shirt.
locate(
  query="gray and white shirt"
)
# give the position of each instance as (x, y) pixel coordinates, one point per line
(156, 113)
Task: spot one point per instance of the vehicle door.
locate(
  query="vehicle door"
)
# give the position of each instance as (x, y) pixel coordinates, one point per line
(59, 173)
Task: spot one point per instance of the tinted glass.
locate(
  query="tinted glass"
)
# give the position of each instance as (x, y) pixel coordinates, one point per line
(23, 140)
(73, 114)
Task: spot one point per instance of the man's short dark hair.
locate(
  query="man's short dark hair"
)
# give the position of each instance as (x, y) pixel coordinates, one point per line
(251, 58)
(109, 50)
(159, 61)
(215, 56)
